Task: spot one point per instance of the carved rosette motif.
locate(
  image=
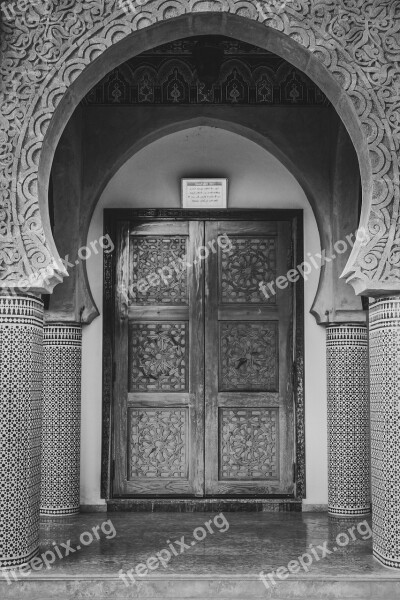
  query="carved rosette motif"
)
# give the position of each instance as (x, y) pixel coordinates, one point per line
(159, 262)
(45, 48)
(249, 356)
(157, 357)
(250, 262)
(249, 443)
(158, 439)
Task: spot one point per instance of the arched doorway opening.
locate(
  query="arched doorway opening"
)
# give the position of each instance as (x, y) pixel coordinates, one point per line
(375, 271)
(117, 125)
(202, 24)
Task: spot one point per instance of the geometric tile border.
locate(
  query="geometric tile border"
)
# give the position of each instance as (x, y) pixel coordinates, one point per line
(384, 334)
(349, 490)
(21, 338)
(60, 490)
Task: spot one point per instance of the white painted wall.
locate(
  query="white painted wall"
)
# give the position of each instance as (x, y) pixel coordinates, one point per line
(256, 180)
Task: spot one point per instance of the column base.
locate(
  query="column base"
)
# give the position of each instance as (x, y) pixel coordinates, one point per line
(390, 563)
(9, 564)
(337, 511)
(60, 512)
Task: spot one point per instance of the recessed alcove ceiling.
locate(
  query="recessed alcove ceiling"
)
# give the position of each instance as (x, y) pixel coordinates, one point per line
(169, 74)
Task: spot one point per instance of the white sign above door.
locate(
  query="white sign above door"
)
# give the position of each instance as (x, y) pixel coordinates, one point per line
(204, 193)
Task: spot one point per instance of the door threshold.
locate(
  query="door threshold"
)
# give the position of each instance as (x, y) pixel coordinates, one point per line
(204, 505)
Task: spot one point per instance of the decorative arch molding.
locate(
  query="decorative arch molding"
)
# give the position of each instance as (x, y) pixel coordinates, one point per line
(349, 48)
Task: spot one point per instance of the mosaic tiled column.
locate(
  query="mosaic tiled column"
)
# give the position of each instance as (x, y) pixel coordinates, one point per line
(349, 489)
(21, 338)
(61, 419)
(384, 336)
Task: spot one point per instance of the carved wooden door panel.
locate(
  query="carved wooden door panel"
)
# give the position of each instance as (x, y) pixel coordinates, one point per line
(249, 444)
(159, 371)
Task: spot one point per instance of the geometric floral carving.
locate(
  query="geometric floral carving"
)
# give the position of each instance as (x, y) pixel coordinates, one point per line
(21, 360)
(249, 447)
(244, 267)
(157, 357)
(264, 89)
(148, 256)
(176, 88)
(117, 90)
(235, 89)
(348, 420)
(158, 442)
(384, 345)
(249, 356)
(146, 86)
(61, 433)
(294, 88)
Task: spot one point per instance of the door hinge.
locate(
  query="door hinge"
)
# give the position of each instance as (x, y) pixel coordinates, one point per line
(294, 472)
(112, 474)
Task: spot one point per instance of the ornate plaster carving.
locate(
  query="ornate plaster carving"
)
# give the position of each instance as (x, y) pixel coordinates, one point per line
(44, 50)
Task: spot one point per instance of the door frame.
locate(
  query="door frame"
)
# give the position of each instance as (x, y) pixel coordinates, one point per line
(111, 219)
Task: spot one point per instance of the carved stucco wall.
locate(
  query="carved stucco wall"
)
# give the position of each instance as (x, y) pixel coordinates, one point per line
(44, 52)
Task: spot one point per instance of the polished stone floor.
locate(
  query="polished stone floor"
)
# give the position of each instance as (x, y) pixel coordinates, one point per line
(253, 542)
(239, 547)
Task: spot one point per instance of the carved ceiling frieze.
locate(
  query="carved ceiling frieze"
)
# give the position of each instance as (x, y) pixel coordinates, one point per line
(167, 75)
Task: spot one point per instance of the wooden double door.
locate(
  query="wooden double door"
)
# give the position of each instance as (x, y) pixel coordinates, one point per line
(203, 398)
